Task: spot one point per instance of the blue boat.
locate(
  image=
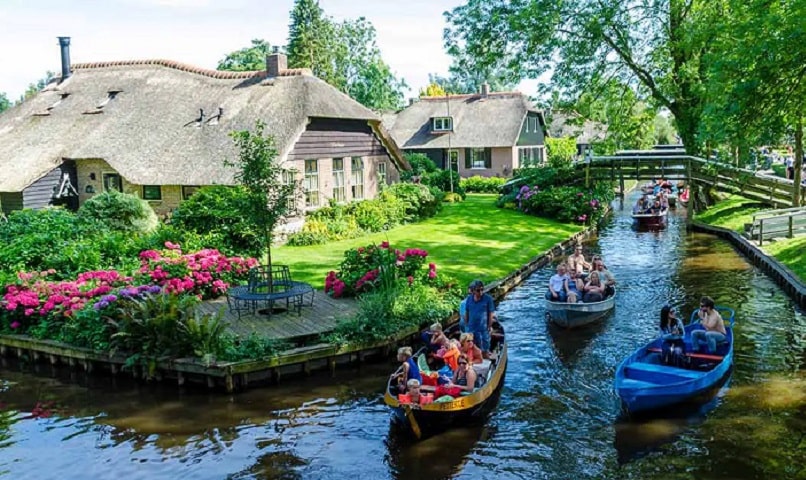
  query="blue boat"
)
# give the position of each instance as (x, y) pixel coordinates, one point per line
(644, 382)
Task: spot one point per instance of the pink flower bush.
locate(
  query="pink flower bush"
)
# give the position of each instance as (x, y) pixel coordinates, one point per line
(361, 270)
(206, 273)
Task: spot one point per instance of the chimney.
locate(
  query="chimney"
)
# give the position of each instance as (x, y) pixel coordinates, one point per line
(64, 43)
(275, 64)
(485, 89)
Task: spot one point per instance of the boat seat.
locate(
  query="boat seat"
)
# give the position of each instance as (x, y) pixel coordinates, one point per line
(702, 356)
(651, 372)
(483, 368)
(632, 383)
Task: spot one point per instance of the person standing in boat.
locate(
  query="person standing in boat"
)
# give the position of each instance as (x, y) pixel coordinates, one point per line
(479, 315)
(714, 332)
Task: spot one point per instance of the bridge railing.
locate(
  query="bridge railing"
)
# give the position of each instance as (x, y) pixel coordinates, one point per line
(672, 165)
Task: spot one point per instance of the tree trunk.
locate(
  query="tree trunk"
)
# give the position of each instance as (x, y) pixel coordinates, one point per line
(686, 127)
(798, 161)
(268, 261)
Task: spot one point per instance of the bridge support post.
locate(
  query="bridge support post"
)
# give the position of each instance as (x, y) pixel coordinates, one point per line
(692, 195)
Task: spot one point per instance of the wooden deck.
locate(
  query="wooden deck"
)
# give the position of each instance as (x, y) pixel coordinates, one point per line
(320, 318)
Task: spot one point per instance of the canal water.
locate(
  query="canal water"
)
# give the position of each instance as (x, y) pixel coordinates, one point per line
(558, 417)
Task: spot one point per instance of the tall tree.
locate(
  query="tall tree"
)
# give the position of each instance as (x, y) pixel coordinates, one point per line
(247, 59)
(5, 103)
(259, 170)
(654, 47)
(312, 40)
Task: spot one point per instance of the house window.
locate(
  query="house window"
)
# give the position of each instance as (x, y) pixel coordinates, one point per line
(382, 173)
(357, 167)
(338, 179)
(478, 158)
(453, 159)
(531, 156)
(528, 124)
(112, 182)
(534, 123)
(152, 192)
(189, 190)
(289, 178)
(442, 124)
(311, 183)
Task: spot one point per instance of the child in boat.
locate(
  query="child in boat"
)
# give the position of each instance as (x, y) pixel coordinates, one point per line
(408, 369)
(413, 394)
(451, 354)
(438, 338)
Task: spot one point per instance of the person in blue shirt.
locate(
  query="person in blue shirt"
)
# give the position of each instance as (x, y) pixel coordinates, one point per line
(479, 315)
(463, 312)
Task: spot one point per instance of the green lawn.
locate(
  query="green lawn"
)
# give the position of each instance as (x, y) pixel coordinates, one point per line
(732, 213)
(467, 240)
(735, 211)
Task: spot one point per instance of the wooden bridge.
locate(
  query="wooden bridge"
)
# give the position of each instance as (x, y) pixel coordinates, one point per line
(676, 165)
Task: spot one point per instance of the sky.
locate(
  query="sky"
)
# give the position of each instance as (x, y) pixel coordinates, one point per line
(201, 32)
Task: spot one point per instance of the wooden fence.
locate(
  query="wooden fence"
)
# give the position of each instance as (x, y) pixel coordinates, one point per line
(786, 222)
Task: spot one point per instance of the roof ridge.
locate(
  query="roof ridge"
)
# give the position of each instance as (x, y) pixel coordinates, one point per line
(185, 67)
(470, 95)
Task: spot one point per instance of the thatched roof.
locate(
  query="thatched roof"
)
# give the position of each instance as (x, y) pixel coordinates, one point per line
(478, 121)
(150, 131)
(570, 124)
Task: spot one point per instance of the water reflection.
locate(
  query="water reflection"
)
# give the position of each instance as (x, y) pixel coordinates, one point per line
(558, 416)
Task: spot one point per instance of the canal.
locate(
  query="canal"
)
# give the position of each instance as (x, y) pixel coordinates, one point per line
(558, 417)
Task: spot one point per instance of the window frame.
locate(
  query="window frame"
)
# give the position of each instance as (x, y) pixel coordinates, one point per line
(105, 175)
(311, 175)
(357, 181)
(442, 124)
(472, 162)
(192, 189)
(382, 173)
(159, 192)
(338, 193)
(289, 177)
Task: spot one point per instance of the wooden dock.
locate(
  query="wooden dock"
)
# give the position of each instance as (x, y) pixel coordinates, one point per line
(313, 320)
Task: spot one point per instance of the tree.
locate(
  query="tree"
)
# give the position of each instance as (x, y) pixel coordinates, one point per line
(260, 172)
(433, 90)
(312, 40)
(5, 103)
(34, 88)
(247, 59)
(357, 60)
(656, 48)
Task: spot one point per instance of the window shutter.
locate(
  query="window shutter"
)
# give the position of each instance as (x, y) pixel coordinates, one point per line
(488, 158)
(468, 159)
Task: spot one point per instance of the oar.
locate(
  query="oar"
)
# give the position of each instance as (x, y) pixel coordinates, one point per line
(415, 427)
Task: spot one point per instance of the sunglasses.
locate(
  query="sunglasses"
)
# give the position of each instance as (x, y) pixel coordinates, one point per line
(462, 363)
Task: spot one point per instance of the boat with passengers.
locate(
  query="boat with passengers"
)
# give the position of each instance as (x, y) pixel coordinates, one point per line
(572, 315)
(654, 376)
(438, 414)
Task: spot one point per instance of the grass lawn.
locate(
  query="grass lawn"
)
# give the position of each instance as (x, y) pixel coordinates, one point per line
(735, 211)
(467, 240)
(731, 213)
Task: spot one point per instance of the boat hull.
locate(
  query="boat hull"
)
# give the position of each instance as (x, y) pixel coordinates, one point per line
(644, 384)
(572, 315)
(650, 220)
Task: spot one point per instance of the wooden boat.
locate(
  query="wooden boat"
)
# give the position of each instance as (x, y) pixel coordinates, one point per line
(651, 219)
(424, 420)
(572, 315)
(643, 382)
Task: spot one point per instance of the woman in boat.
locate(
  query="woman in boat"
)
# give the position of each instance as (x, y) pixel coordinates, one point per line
(671, 327)
(408, 369)
(593, 290)
(469, 349)
(465, 377)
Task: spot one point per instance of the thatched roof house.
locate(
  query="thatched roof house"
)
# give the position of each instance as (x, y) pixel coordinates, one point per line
(489, 133)
(162, 125)
(571, 124)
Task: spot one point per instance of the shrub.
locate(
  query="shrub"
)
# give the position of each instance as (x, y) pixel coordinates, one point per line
(567, 204)
(561, 151)
(120, 212)
(218, 210)
(233, 348)
(453, 197)
(417, 199)
(420, 165)
(478, 184)
(442, 180)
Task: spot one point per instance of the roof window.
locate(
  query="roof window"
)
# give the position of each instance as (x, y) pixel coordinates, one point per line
(442, 124)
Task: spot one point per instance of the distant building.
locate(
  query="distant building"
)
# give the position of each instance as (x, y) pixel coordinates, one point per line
(487, 134)
(585, 132)
(161, 129)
